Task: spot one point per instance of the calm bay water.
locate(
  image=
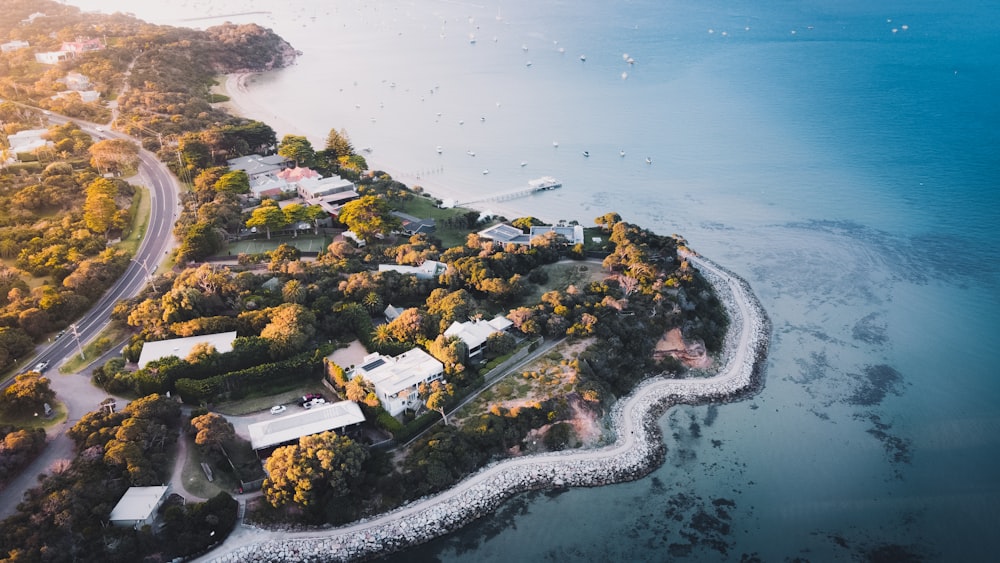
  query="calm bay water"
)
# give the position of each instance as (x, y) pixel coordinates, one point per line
(844, 157)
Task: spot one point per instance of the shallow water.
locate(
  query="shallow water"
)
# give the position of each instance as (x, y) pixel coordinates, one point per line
(847, 171)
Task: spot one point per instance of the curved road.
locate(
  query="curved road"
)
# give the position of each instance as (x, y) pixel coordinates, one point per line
(735, 375)
(76, 391)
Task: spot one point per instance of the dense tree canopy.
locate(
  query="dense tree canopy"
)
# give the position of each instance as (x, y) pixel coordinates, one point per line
(320, 468)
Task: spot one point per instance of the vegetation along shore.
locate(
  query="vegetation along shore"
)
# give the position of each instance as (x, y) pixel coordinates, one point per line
(326, 363)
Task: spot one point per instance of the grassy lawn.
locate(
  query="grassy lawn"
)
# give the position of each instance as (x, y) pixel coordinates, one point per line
(138, 221)
(194, 478)
(304, 242)
(563, 274)
(58, 416)
(426, 208)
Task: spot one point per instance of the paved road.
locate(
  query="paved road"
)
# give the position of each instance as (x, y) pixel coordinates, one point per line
(743, 355)
(75, 390)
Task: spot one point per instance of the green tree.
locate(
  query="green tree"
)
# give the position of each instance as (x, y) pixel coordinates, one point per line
(28, 394)
(436, 396)
(293, 291)
(212, 430)
(290, 327)
(298, 149)
(200, 241)
(368, 216)
(268, 216)
(115, 155)
(100, 212)
(321, 467)
(338, 144)
(235, 182)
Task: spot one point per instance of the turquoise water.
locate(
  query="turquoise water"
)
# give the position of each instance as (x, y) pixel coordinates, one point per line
(847, 171)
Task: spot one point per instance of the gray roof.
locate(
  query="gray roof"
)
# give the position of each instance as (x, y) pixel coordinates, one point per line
(137, 503)
(181, 347)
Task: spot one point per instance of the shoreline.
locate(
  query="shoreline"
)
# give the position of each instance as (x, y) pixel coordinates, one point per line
(637, 450)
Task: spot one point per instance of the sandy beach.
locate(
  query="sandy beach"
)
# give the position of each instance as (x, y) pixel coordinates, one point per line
(241, 104)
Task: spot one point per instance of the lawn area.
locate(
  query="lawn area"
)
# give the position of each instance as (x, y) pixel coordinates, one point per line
(563, 274)
(112, 335)
(58, 416)
(138, 215)
(194, 478)
(426, 208)
(304, 242)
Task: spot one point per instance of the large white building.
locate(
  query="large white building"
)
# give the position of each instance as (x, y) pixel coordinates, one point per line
(475, 333)
(397, 379)
(429, 270)
(181, 347)
(320, 418)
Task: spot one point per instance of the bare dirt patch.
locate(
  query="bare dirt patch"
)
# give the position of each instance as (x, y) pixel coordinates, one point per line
(693, 354)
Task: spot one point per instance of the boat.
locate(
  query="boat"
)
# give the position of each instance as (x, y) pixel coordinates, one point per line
(621, 153)
(586, 153)
(439, 149)
(524, 163)
(544, 183)
(470, 153)
(555, 144)
(485, 172)
(649, 160)
(583, 58)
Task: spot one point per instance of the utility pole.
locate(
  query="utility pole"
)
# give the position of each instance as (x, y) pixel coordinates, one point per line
(149, 275)
(76, 336)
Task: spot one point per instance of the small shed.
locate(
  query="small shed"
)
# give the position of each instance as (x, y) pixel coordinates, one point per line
(137, 507)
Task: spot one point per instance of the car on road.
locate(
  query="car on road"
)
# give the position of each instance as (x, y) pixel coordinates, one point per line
(99, 129)
(277, 409)
(40, 367)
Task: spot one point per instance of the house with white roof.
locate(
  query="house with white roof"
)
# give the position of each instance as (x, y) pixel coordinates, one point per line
(27, 141)
(475, 333)
(429, 270)
(181, 347)
(320, 418)
(52, 57)
(398, 379)
(503, 233)
(256, 165)
(138, 506)
(11, 46)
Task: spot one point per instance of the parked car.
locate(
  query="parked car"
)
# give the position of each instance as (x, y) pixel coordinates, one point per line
(309, 397)
(277, 409)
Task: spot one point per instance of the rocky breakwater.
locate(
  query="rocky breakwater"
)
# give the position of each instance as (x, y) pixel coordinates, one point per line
(638, 449)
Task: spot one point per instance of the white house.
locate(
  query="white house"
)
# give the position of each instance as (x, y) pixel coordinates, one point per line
(255, 165)
(315, 188)
(27, 141)
(321, 418)
(52, 57)
(504, 233)
(397, 379)
(138, 506)
(475, 333)
(429, 270)
(181, 347)
(13, 46)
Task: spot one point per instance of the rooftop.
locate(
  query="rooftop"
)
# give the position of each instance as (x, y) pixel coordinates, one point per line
(138, 503)
(181, 347)
(318, 419)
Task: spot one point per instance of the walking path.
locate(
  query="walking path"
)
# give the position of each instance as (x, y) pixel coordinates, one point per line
(638, 449)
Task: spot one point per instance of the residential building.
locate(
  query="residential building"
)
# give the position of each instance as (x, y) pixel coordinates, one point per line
(289, 428)
(11, 46)
(475, 333)
(138, 506)
(181, 347)
(297, 173)
(398, 379)
(413, 225)
(75, 81)
(256, 165)
(504, 233)
(391, 313)
(52, 57)
(429, 270)
(82, 45)
(27, 141)
(86, 96)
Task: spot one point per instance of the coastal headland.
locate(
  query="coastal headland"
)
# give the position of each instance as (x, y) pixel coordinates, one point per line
(637, 450)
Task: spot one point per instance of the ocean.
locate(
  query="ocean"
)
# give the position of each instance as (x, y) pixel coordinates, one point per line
(842, 156)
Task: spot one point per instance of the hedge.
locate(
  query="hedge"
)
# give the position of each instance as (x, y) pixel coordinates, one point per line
(298, 369)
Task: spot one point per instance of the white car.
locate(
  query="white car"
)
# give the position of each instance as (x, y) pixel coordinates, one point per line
(277, 409)
(40, 367)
